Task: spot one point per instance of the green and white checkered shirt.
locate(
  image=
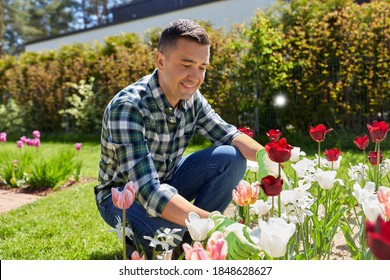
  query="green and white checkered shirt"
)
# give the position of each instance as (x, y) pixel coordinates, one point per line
(143, 138)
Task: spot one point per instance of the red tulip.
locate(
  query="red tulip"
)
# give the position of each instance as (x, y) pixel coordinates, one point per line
(279, 151)
(378, 131)
(378, 238)
(362, 142)
(274, 135)
(373, 157)
(318, 133)
(246, 131)
(332, 154)
(271, 186)
(123, 199)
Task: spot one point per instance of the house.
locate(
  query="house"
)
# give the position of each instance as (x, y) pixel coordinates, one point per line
(141, 15)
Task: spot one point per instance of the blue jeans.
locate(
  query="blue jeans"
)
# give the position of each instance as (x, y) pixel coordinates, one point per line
(206, 177)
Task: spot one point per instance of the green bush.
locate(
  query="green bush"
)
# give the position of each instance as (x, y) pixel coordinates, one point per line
(51, 171)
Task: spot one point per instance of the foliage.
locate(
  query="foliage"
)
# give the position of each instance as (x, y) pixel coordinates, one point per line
(330, 59)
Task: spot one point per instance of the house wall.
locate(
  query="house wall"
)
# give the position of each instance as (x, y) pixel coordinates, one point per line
(220, 14)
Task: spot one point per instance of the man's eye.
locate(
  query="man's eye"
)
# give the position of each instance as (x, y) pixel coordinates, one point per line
(186, 66)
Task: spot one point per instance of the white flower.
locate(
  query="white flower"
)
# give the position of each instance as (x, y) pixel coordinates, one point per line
(119, 230)
(198, 228)
(168, 237)
(252, 165)
(153, 241)
(371, 207)
(326, 179)
(358, 172)
(305, 169)
(385, 167)
(295, 153)
(273, 236)
(361, 194)
(260, 207)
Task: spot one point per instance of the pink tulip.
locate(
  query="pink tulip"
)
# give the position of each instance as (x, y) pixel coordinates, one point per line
(196, 252)
(36, 142)
(36, 134)
(124, 199)
(23, 139)
(246, 194)
(3, 137)
(136, 257)
(217, 246)
(19, 144)
(78, 146)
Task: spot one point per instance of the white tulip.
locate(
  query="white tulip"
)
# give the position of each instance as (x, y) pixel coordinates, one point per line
(295, 153)
(362, 193)
(326, 179)
(371, 208)
(260, 207)
(198, 228)
(273, 236)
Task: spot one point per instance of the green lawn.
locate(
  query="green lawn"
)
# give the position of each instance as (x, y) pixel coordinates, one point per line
(66, 225)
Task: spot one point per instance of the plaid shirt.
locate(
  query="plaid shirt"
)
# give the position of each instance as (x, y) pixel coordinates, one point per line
(143, 138)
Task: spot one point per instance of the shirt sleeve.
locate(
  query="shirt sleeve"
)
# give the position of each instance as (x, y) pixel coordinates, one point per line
(126, 130)
(211, 125)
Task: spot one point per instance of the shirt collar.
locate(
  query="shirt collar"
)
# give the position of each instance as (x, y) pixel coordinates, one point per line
(160, 98)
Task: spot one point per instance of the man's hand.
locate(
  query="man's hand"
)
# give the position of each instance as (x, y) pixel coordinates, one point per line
(269, 167)
(240, 245)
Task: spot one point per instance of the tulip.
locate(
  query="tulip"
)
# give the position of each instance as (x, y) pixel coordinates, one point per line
(295, 153)
(326, 179)
(332, 154)
(271, 186)
(196, 252)
(198, 228)
(279, 151)
(135, 256)
(273, 236)
(261, 208)
(373, 157)
(378, 238)
(124, 199)
(245, 193)
(383, 194)
(274, 135)
(371, 208)
(217, 246)
(362, 193)
(19, 144)
(318, 133)
(78, 146)
(3, 137)
(362, 142)
(378, 131)
(247, 131)
(36, 134)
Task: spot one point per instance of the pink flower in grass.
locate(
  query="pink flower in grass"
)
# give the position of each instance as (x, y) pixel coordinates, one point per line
(19, 144)
(3, 137)
(124, 199)
(78, 146)
(36, 134)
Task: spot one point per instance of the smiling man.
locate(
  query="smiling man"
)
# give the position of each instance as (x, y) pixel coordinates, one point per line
(146, 129)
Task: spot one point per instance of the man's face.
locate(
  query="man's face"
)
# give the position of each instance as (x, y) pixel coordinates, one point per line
(181, 69)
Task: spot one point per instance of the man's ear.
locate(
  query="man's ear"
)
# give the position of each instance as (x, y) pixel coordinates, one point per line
(159, 60)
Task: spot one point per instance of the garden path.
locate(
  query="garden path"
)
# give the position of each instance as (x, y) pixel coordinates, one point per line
(11, 200)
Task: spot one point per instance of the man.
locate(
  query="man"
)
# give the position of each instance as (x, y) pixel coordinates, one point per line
(146, 129)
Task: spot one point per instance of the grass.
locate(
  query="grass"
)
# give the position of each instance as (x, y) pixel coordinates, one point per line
(66, 225)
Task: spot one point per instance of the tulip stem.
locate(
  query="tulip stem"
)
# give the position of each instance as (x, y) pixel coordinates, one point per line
(247, 218)
(124, 232)
(319, 154)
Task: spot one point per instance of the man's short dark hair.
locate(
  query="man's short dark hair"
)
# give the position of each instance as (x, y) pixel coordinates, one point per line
(182, 28)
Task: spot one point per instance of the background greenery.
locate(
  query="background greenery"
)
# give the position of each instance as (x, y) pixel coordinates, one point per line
(329, 58)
